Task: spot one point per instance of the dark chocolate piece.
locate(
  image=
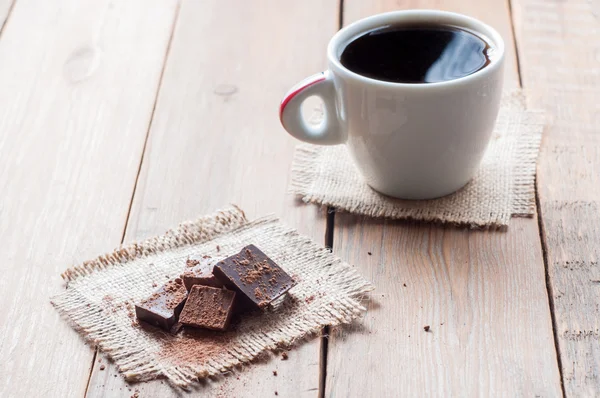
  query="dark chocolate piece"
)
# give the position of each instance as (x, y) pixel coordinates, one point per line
(208, 307)
(199, 272)
(163, 307)
(191, 279)
(254, 275)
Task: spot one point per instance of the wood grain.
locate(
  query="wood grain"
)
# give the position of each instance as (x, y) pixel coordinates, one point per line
(75, 105)
(216, 139)
(559, 47)
(482, 293)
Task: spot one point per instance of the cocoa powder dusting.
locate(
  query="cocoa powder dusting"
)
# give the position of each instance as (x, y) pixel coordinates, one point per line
(208, 307)
(191, 263)
(194, 347)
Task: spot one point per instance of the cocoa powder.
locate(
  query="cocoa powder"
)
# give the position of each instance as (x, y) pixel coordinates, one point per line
(191, 263)
(194, 346)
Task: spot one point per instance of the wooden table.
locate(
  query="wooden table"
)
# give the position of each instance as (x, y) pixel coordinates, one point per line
(121, 118)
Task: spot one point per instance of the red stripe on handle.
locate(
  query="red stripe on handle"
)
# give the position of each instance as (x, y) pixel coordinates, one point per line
(292, 94)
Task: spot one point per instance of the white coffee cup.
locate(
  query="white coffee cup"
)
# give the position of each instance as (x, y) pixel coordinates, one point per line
(411, 141)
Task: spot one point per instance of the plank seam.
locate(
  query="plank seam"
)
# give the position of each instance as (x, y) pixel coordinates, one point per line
(8, 14)
(137, 177)
(549, 289)
(326, 330)
(160, 80)
(541, 230)
(514, 39)
(329, 229)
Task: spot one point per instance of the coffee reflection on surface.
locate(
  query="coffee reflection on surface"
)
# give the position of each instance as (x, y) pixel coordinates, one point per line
(416, 54)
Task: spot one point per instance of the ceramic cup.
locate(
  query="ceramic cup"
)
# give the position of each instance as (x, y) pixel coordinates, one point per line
(411, 141)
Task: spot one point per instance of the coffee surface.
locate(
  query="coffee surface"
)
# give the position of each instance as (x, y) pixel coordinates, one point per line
(416, 53)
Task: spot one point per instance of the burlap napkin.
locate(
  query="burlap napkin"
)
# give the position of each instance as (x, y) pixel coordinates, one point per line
(503, 186)
(101, 293)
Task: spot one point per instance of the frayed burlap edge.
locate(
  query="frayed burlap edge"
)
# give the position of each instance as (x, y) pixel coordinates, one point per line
(524, 170)
(139, 364)
(201, 230)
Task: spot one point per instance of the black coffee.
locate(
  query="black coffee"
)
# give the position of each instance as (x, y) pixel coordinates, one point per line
(416, 54)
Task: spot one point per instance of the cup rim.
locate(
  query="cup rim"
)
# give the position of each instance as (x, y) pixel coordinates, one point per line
(345, 35)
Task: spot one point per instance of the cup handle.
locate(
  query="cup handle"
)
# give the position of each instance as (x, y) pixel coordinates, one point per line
(329, 131)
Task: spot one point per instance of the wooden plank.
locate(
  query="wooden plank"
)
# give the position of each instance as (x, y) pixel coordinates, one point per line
(482, 293)
(216, 139)
(559, 47)
(75, 106)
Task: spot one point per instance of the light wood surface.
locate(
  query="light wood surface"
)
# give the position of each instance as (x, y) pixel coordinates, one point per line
(559, 47)
(5, 6)
(119, 119)
(482, 293)
(75, 105)
(216, 139)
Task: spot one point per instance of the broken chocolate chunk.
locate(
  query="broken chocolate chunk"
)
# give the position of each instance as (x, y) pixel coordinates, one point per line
(208, 307)
(162, 308)
(200, 273)
(190, 279)
(254, 275)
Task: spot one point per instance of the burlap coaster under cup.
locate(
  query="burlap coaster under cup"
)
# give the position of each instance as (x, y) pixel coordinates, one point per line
(101, 293)
(503, 186)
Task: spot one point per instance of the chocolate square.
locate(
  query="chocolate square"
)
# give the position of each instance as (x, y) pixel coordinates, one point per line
(254, 276)
(208, 307)
(199, 272)
(162, 308)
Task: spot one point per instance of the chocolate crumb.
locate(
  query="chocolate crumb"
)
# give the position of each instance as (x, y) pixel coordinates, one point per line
(102, 367)
(369, 253)
(191, 263)
(404, 284)
(154, 284)
(274, 373)
(115, 375)
(218, 248)
(136, 394)
(426, 328)
(276, 393)
(284, 356)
